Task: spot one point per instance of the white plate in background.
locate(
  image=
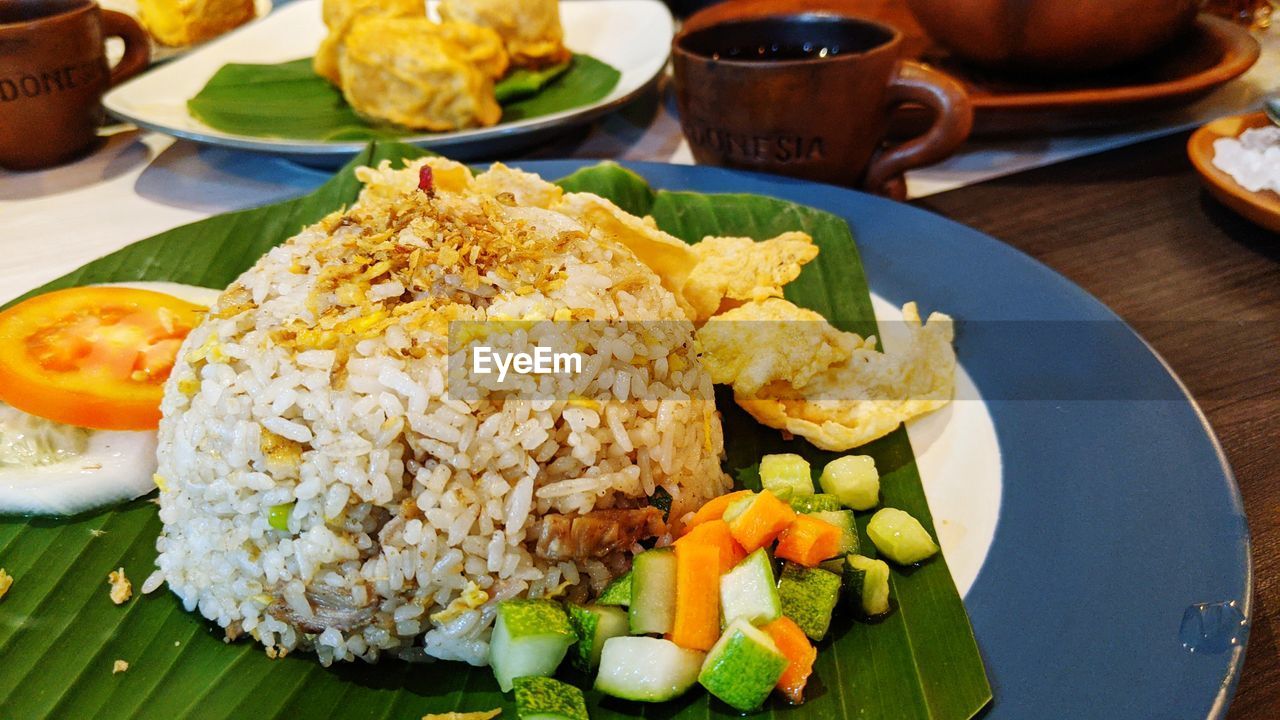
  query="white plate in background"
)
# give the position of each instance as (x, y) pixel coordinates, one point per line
(634, 36)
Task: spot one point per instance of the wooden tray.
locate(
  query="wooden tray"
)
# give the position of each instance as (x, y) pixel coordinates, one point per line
(1261, 207)
(1214, 52)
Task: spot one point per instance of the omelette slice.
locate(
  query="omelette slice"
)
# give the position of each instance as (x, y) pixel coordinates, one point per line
(738, 269)
(765, 341)
(868, 395)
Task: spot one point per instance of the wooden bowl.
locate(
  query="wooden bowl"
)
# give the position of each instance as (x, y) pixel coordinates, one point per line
(1262, 207)
(1056, 38)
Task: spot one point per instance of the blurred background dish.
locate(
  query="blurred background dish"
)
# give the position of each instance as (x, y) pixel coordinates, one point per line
(632, 36)
(176, 27)
(1210, 54)
(1261, 207)
(1052, 38)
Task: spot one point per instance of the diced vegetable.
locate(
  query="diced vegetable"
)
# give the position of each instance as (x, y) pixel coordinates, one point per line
(530, 637)
(842, 519)
(278, 516)
(749, 591)
(800, 654)
(868, 581)
(646, 669)
(900, 537)
(544, 698)
(786, 476)
(809, 596)
(853, 479)
(94, 357)
(617, 592)
(819, 502)
(762, 518)
(716, 533)
(743, 667)
(808, 541)
(714, 508)
(697, 619)
(593, 625)
(653, 592)
(661, 499)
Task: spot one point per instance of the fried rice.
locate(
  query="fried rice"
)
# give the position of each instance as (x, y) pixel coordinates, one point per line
(321, 488)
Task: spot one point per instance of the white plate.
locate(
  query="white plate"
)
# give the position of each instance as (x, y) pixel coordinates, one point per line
(159, 53)
(633, 36)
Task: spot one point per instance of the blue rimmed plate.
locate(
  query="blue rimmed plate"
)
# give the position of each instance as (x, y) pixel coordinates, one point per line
(1117, 579)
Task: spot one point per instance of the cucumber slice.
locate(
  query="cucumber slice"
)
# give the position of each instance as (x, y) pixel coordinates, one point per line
(900, 537)
(737, 506)
(820, 502)
(593, 625)
(842, 519)
(646, 669)
(617, 592)
(809, 596)
(743, 666)
(868, 581)
(544, 698)
(853, 479)
(530, 637)
(748, 591)
(786, 475)
(653, 592)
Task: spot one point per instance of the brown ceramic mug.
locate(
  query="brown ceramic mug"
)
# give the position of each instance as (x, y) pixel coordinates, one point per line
(810, 95)
(53, 72)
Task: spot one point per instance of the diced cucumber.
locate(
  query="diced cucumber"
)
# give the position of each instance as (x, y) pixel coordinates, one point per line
(617, 592)
(594, 624)
(853, 479)
(530, 637)
(867, 580)
(900, 537)
(809, 596)
(646, 669)
(748, 591)
(653, 592)
(544, 698)
(819, 502)
(842, 519)
(743, 666)
(786, 475)
(737, 506)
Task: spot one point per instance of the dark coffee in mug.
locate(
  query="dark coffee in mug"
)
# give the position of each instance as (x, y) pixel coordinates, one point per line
(53, 72)
(810, 95)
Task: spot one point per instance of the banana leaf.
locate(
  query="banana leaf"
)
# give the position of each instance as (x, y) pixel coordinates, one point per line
(60, 634)
(288, 100)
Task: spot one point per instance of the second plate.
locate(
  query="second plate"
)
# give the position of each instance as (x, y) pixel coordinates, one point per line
(633, 36)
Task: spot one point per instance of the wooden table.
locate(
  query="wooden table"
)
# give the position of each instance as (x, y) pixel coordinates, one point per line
(1203, 287)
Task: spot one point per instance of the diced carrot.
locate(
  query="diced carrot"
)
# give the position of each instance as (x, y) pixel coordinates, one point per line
(800, 654)
(714, 509)
(761, 521)
(697, 620)
(716, 534)
(808, 541)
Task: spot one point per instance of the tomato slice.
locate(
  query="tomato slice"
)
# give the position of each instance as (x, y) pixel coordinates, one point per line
(96, 357)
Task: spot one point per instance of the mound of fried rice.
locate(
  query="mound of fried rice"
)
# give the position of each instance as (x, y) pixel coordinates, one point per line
(320, 487)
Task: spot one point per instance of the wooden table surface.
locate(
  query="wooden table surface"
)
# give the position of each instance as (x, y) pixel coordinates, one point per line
(1202, 286)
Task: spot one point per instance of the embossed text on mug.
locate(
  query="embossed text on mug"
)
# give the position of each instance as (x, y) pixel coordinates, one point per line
(48, 82)
(759, 148)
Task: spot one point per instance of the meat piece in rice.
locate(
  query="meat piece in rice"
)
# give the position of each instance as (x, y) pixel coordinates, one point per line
(324, 491)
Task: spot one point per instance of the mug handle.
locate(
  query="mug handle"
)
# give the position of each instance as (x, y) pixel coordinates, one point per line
(953, 119)
(137, 45)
